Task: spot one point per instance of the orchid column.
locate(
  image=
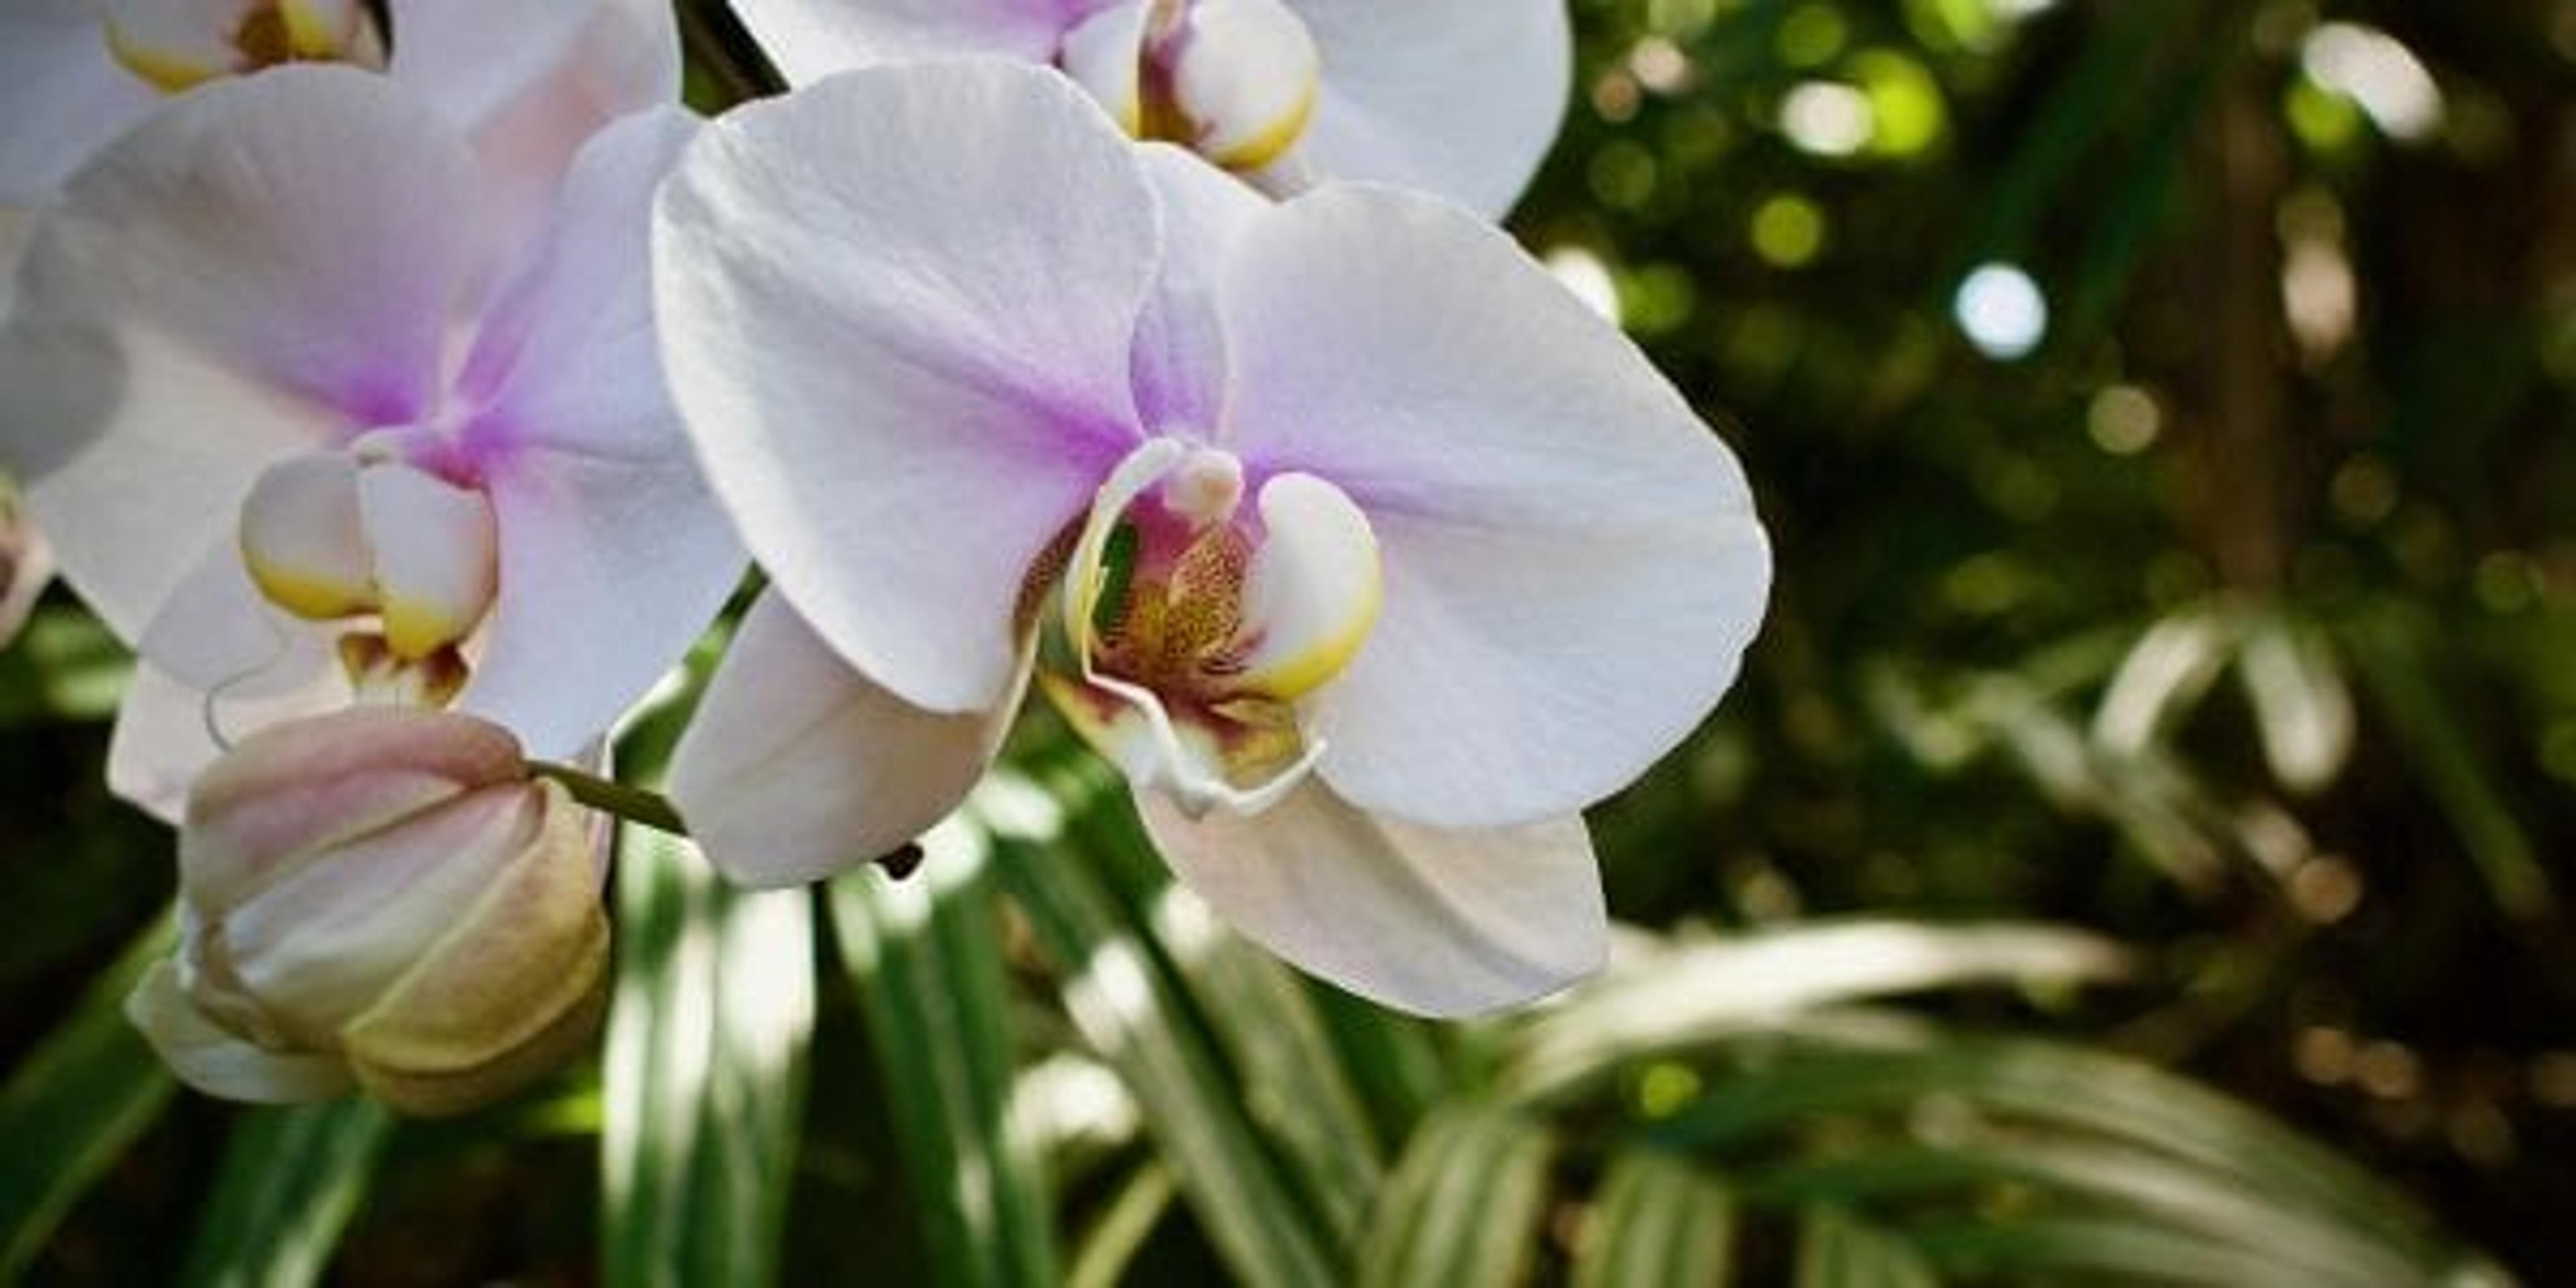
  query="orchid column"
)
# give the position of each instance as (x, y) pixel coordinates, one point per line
(1367, 552)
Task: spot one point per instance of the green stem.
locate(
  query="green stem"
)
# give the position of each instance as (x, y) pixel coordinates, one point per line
(633, 804)
(652, 809)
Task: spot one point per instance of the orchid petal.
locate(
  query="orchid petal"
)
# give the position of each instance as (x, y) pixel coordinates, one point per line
(238, 281)
(895, 302)
(62, 97)
(1105, 54)
(163, 741)
(565, 356)
(586, 464)
(798, 767)
(212, 1060)
(1179, 354)
(217, 629)
(1460, 98)
(471, 58)
(1573, 567)
(256, 221)
(609, 569)
(529, 102)
(811, 39)
(1433, 921)
(134, 452)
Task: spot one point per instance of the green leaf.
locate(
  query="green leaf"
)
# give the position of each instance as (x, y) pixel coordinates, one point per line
(1696, 993)
(1837, 1250)
(928, 966)
(289, 1182)
(704, 1073)
(2114, 1127)
(2155, 1196)
(1130, 1011)
(1656, 1221)
(76, 1103)
(1111, 1242)
(2390, 649)
(1290, 1080)
(1465, 1204)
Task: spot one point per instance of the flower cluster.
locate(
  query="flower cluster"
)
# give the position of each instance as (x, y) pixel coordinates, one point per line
(408, 394)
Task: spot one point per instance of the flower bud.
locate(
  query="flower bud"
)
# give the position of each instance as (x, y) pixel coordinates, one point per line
(379, 898)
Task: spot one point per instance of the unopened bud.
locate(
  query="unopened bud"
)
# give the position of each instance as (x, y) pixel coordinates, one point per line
(382, 899)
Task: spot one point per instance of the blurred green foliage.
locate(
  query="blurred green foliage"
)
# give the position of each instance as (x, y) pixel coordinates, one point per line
(2179, 688)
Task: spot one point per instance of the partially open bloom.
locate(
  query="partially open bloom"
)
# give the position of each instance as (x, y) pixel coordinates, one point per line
(1367, 552)
(1457, 97)
(379, 899)
(295, 428)
(524, 82)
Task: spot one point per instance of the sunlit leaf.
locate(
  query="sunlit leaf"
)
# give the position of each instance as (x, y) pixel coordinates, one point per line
(1130, 1011)
(1290, 1080)
(289, 1182)
(703, 1074)
(924, 954)
(1465, 1203)
(1691, 994)
(1113, 1238)
(2156, 1147)
(1655, 1221)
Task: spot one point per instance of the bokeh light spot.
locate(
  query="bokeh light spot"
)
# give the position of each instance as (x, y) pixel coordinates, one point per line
(2001, 311)
(2124, 420)
(1812, 35)
(1787, 230)
(1827, 118)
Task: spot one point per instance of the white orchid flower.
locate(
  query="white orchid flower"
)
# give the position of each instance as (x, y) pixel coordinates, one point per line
(525, 80)
(1367, 551)
(1460, 98)
(284, 438)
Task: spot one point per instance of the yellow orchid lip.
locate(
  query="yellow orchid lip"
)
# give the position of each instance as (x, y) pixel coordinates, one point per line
(175, 47)
(1237, 81)
(333, 537)
(1190, 629)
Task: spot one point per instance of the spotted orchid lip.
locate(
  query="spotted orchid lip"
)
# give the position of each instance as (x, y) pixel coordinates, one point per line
(1188, 669)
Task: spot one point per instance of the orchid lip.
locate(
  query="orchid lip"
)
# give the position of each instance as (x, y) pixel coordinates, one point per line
(334, 536)
(176, 45)
(1191, 625)
(1235, 80)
